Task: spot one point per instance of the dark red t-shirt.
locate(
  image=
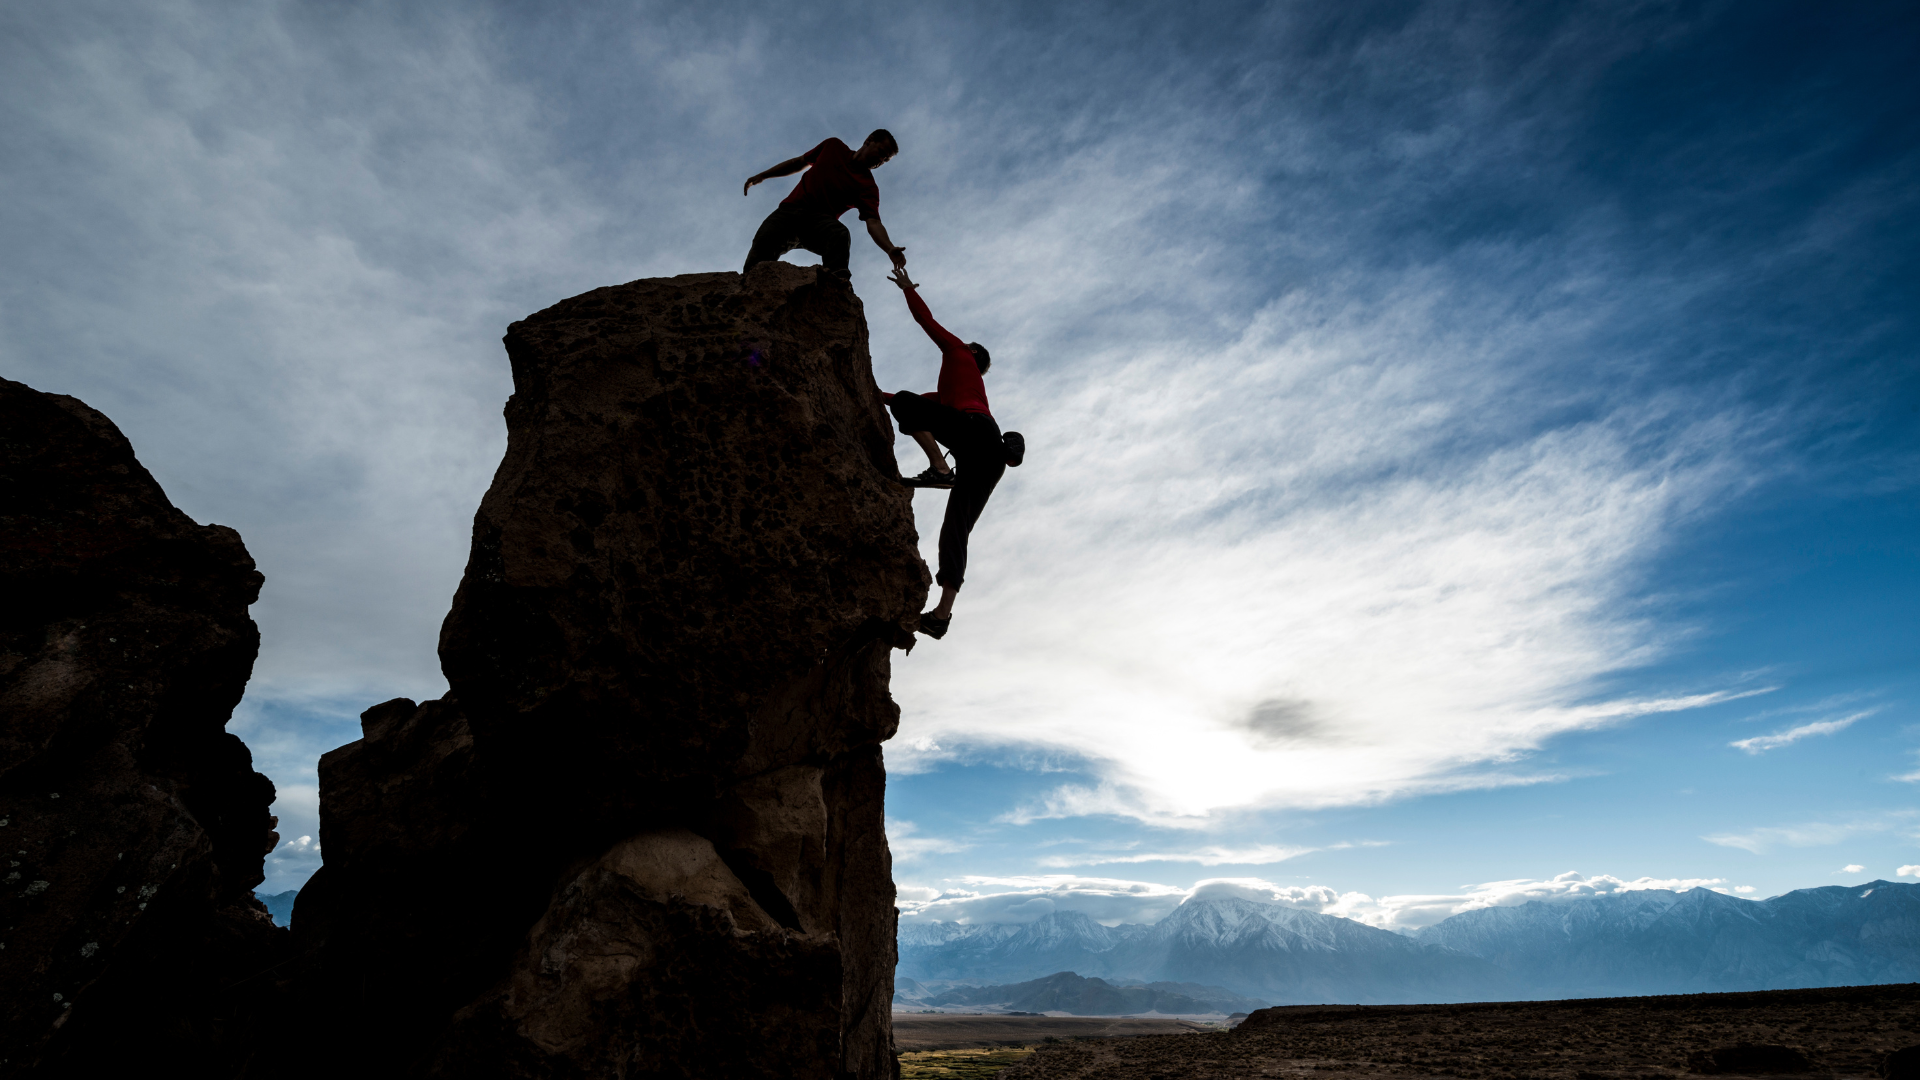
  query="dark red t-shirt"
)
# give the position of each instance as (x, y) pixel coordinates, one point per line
(834, 185)
(960, 383)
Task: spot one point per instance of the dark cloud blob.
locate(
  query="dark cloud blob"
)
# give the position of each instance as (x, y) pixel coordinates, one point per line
(1280, 721)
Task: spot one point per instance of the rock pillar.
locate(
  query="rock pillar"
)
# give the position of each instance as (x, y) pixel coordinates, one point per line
(132, 825)
(642, 835)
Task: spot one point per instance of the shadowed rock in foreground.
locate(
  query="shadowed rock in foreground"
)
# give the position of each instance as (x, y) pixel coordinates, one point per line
(657, 774)
(134, 826)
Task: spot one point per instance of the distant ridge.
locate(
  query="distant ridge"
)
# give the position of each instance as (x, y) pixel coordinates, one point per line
(1698, 941)
(1067, 992)
(1650, 942)
(1267, 951)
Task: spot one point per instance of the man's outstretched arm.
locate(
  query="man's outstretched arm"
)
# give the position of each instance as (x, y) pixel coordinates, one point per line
(785, 168)
(941, 335)
(879, 234)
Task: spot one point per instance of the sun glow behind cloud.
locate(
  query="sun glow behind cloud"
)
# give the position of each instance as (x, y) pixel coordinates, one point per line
(1261, 576)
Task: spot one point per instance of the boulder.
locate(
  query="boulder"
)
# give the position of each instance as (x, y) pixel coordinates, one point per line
(655, 784)
(133, 825)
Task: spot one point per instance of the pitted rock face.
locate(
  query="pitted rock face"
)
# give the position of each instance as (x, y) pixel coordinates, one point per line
(697, 507)
(132, 824)
(656, 784)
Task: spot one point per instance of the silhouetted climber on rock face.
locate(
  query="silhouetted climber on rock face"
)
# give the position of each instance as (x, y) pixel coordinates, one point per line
(956, 415)
(837, 180)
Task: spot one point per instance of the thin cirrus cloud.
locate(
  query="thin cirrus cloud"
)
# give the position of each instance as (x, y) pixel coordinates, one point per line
(1760, 744)
(1025, 898)
(906, 844)
(1813, 834)
(1258, 855)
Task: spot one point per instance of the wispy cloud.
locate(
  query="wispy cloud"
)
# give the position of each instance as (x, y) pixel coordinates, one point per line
(1023, 899)
(1760, 744)
(290, 864)
(1813, 833)
(1258, 855)
(1412, 911)
(907, 846)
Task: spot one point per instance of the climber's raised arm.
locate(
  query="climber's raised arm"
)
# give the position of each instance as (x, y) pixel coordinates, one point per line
(785, 168)
(949, 344)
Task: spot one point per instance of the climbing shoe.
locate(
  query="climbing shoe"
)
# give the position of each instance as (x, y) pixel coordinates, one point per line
(933, 626)
(1015, 444)
(932, 478)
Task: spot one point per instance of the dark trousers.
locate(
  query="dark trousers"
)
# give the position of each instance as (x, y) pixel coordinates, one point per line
(786, 229)
(978, 455)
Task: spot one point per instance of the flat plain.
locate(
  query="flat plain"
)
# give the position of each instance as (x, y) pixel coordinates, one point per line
(1845, 1032)
(960, 1031)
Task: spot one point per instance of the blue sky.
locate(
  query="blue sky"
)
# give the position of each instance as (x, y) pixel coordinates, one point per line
(1471, 443)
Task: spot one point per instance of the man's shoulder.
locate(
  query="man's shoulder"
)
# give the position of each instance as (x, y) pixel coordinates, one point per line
(832, 145)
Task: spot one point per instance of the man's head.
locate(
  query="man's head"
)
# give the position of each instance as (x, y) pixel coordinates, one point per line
(980, 356)
(878, 148)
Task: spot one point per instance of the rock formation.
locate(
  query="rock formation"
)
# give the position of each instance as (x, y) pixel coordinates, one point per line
(657, 774)
(133, 825)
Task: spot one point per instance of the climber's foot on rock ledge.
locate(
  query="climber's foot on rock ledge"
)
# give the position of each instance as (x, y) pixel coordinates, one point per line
(932, 478)
(934, 626)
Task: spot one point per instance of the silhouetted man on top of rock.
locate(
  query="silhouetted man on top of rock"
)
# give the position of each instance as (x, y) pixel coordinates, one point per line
(837, 180)
(956, 415)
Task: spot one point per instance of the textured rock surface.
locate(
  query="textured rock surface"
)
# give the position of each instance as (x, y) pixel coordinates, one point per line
(658, 769)
(133, 825)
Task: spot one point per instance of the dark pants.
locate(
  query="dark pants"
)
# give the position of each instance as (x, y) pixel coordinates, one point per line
(980, 458)
(786, 229)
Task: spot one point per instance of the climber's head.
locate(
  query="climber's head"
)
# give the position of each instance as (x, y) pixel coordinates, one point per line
(877, 150)
(980, 356)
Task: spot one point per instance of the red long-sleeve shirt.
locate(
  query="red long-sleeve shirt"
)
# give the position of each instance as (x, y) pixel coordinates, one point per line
(960, 382)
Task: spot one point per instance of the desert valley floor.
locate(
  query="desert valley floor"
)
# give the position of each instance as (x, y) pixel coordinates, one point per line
(1842, 1032)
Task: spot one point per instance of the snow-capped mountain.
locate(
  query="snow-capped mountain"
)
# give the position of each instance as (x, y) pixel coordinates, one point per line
(997, 953)
(1277, 953)
(1658, 942)
(1288, 955)
(1647, 942)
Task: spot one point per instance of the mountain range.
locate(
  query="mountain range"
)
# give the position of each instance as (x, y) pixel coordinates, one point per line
(1698, 941)
(1643, 942)
(1280, 954)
